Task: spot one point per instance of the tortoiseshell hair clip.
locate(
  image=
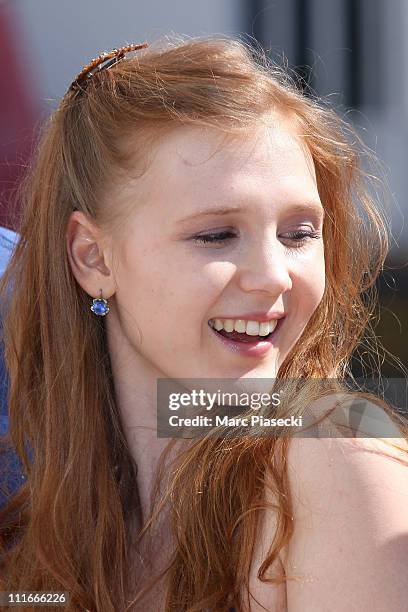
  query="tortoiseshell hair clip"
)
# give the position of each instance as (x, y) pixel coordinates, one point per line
(103, 61)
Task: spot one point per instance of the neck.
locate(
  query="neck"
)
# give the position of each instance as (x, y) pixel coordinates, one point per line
(135, 382)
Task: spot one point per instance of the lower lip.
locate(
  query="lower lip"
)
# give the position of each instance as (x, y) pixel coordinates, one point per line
(250, 349)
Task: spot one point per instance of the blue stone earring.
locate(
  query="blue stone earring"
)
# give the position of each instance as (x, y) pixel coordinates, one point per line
(100, 306)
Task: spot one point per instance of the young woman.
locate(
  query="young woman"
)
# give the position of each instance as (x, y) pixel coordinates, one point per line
(189, 192)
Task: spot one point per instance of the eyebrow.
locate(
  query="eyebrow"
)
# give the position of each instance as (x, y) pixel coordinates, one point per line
(314, 207)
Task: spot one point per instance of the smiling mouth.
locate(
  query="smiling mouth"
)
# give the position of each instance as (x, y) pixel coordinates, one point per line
(246, 338)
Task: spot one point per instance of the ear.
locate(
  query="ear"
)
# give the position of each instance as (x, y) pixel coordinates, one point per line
(89, 256)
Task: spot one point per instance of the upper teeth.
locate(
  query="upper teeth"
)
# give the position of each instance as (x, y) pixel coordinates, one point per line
(252, 328)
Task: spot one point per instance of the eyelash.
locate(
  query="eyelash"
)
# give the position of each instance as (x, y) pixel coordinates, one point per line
(226, 236)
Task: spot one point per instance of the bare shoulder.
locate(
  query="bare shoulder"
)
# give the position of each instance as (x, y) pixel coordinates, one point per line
(350, 513)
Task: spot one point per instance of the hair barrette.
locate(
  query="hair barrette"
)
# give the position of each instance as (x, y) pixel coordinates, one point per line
(103, 61)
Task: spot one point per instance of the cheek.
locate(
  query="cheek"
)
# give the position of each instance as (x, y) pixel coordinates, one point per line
(161, 291)
(140, 294)
(195, 285)
(309, 285)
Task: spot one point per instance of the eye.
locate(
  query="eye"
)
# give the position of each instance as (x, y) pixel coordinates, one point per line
(301, 237)
(215, 238)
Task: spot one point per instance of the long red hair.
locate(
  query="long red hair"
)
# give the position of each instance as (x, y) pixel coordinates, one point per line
(66, 528)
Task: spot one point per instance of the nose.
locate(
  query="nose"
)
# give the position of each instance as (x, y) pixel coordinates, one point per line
(265, 268)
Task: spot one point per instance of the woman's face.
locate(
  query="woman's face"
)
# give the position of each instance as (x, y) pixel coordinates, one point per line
(257, 198)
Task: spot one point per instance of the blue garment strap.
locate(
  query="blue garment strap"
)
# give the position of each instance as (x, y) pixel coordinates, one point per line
(8, 240)
(11, 476)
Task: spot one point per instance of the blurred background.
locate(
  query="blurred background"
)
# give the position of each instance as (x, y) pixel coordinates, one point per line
(353, 51)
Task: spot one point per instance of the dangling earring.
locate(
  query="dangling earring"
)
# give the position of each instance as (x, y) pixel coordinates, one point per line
(100, 306)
